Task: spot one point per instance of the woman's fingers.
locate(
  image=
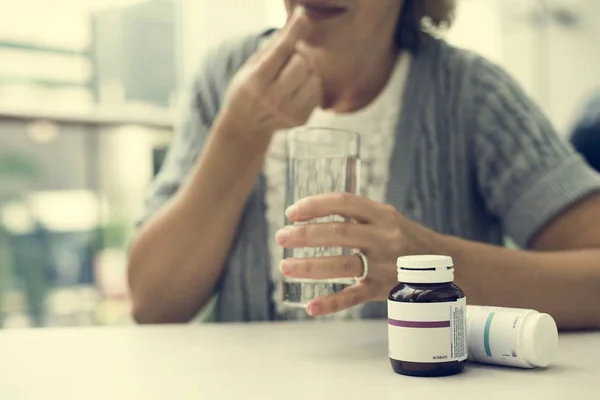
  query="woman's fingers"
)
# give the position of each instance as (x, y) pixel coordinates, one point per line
(349, 297)
(323, 267)
(308, 96)
(299, 88)
(295, 74)
(348, 205)
(332, 234)
(276, 57)
(260, 97)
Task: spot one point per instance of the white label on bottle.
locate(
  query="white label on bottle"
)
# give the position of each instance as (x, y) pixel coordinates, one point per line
(493, 335)
(427, 332)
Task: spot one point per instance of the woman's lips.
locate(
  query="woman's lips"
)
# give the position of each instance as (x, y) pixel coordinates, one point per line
(322, 12)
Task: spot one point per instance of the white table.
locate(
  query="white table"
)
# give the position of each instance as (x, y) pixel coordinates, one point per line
(342, 361)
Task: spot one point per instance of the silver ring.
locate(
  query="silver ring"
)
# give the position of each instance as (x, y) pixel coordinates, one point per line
(365, 263)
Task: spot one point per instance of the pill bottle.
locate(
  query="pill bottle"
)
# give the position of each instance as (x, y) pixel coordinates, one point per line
(427, 318)
(511, 337)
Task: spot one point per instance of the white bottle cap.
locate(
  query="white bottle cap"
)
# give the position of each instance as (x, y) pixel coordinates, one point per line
(425, 269)
(540, 339)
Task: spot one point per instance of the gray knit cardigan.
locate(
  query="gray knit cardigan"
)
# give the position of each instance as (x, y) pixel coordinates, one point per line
(473, 157)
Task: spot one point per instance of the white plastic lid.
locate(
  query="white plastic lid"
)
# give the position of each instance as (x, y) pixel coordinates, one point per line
(425, 269)
(540, 339)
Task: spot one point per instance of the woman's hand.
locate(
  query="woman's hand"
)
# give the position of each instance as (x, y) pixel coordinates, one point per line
(379, 232)
(276, 89)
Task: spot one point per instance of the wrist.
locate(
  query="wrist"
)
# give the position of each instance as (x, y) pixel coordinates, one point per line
(423, 240)
(231, 129)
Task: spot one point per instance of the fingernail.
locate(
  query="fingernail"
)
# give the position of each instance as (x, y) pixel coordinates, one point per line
(283, 234)
(315, 309)
(299, 11)
(285, 267)
(291, 211)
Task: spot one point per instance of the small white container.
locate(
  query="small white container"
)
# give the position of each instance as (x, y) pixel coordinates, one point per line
(511, 337)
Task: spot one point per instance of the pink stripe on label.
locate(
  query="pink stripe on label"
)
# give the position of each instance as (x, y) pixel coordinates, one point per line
(419, 324)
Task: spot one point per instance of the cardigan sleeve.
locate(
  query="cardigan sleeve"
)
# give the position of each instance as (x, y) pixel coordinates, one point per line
(199, 110)
(526, 173)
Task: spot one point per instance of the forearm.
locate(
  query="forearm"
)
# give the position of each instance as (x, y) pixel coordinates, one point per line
(565, 284)
(177, 258)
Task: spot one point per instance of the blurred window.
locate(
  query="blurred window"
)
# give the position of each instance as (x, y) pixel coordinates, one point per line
(86, 99)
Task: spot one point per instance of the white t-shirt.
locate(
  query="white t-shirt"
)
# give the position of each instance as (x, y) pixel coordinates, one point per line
(376, 123)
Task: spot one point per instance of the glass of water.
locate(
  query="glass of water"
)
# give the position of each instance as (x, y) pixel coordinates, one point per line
(319, 160)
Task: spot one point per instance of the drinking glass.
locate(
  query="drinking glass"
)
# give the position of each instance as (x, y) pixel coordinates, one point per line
(319, 160)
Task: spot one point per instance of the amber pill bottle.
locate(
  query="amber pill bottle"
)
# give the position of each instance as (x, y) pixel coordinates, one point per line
(427, 318)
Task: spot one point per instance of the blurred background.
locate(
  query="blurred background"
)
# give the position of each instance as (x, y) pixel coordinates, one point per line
(88, 104)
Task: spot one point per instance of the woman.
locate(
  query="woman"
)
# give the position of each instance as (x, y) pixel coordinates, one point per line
(465, 158)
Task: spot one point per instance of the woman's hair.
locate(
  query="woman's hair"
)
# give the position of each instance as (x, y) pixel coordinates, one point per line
(419, 15)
